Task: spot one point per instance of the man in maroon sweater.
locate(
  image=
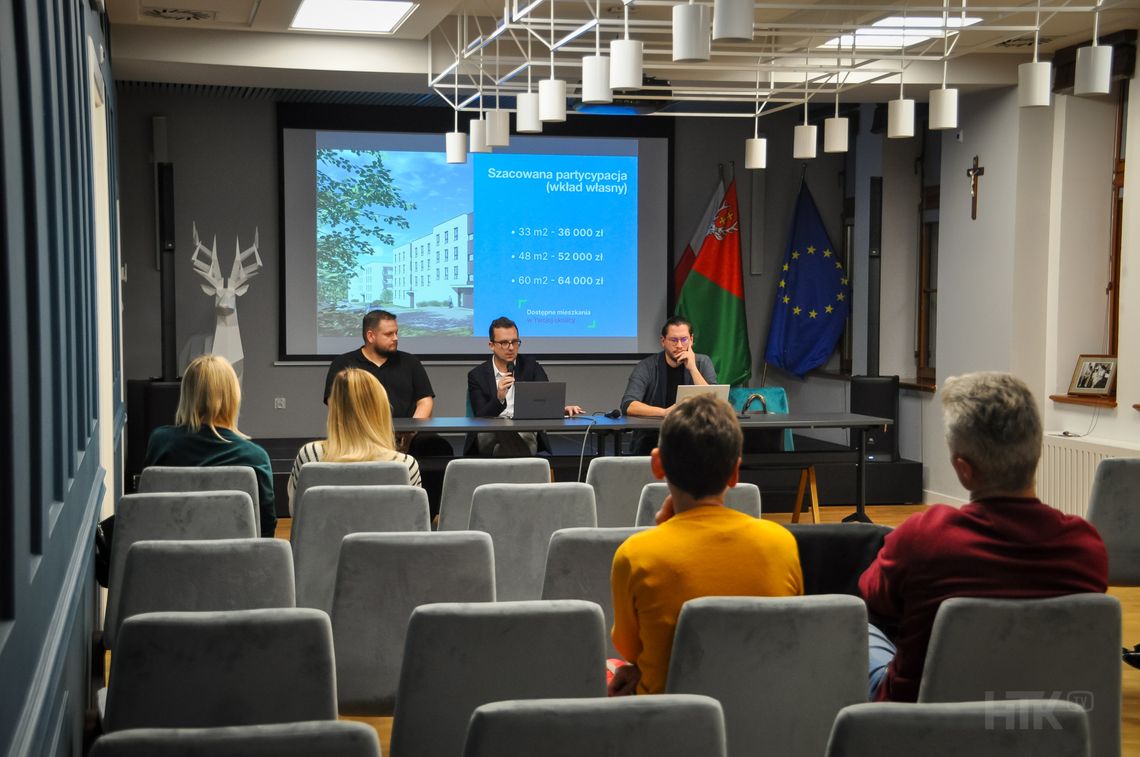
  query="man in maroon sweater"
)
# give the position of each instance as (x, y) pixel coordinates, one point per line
(1005, 543)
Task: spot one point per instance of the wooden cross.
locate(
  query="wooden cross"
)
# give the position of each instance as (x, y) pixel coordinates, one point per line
(974, 173)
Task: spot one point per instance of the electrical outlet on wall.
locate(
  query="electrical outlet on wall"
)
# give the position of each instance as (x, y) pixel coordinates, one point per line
(278, 403)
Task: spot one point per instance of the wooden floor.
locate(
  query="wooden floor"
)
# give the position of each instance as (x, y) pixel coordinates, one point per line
(891, 516)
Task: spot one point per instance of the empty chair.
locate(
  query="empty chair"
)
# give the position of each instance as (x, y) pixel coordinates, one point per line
(326, 514)
(666, 725)
(1016, 728)
(173, 478)
(461, 477)
(1009, 648)
(834, 555)
(190, 515)
(461, 655)
(520, 519)
(190, 576)
(781, 667)
(381, 579)
(617, 483)
(742, 497)
(328, 738)
(238, 667)
(382, 472)
(578, 563)
(1114, 509)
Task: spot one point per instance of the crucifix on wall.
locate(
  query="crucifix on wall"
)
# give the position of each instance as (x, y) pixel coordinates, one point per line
(974, 173)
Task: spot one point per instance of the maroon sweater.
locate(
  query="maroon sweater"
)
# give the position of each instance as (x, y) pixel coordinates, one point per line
(1001, 548)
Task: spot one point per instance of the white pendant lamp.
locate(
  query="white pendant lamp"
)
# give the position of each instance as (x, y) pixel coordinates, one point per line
(596, 69)
(835, 129)
(1094, 64)
(900, 112)
(527, 120)
(625, 59)
(732, 20)
(1034, 79)
(756, 152)
(478, 128)
(456, 140)
(690, 33)
(943, 113)
(552, 92)
(804, 135)
(498, 120)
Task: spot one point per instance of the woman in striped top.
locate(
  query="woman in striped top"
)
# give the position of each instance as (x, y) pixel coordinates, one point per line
(359, 428)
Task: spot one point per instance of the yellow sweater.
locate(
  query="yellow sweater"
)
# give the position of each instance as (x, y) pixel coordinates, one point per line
(706, 551)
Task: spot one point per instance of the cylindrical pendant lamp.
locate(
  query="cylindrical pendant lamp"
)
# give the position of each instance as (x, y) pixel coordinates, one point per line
(900, 118)
(456, 147)
(498, 127)
(552, 100)
(943, 109)
(625, 63)
(596, 79)
(478, 129)
(1033, 83)
(690, 33)
(526, 119)
(803, 142)
(756, 152)
(732, 20)
(1094, 70)
(835, 134)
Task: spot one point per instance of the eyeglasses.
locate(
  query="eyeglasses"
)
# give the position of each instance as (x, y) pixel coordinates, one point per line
(508, 343)
(681, 340)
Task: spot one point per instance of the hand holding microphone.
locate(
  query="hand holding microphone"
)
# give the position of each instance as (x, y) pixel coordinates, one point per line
(506, 382)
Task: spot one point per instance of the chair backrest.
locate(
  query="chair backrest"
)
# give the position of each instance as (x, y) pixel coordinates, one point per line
(462, 477)
(326, 514)
(194, 576)
(668, 725)
(461, 655)
(834, 555)
(238, 667)
(520, 519)
(1016, 728)
(617, 483)
(742, 497)
(375, 473)
(1012, 648)
(1114, 509)
(765, 659)
(578, 565)
(328, 738)
(381, 579)
(174, 478)
(186, 515)
(775, 399)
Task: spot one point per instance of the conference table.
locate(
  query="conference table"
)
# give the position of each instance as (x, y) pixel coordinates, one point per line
(613, 428)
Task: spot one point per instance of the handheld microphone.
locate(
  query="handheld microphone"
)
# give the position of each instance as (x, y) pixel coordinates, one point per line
(511, 367)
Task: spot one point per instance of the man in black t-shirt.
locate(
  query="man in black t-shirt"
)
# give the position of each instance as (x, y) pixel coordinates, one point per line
(401, 374)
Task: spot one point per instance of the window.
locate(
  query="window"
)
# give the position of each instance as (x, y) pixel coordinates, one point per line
(437, 238)
(456, 253)
(456, 274)
(456, 233)
(444, 238)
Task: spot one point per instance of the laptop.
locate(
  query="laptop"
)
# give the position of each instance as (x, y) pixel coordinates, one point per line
(685, 391)
(539, 400)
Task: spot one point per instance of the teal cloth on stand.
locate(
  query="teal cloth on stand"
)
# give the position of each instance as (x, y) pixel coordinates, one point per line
(774, 396)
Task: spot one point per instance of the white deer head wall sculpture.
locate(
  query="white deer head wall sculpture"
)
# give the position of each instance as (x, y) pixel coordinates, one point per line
(247, 262)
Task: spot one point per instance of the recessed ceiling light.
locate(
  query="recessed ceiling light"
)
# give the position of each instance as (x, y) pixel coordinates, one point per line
(352, 16)
(893, 32)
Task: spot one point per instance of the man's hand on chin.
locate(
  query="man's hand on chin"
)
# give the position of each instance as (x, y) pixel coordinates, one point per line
(625, 681)
(666, 511)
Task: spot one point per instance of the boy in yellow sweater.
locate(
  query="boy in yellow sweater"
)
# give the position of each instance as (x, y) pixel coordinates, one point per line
(699, 548)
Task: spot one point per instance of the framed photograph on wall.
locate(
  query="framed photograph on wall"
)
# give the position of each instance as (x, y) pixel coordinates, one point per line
(1095, 375)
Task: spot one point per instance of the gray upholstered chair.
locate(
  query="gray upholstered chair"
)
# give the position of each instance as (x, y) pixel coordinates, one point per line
(381, 579)
(237, 667)
(742, 497)
(1013, 728)
(327, 738)
(188, 515)
(781, 667)
(461, 655)
(617, 483)
(578, 564)
(520, 519)
(1114, 509)
(326, 514)
(669, 725)
(1012, 648)
(193, 576)
(375, 473)
(174, 478)
(462, 477)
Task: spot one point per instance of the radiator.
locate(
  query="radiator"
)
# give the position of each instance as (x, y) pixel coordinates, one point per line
(1065, 475)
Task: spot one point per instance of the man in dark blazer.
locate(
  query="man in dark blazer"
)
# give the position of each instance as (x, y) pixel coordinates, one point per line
(490, 394)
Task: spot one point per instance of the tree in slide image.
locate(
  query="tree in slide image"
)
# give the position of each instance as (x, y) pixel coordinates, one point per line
(356, 203)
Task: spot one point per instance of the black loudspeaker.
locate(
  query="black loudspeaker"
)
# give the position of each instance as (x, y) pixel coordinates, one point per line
(165, 187)
(878, 396)
(150, 404)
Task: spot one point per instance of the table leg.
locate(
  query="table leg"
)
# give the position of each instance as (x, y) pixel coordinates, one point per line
(860, 514)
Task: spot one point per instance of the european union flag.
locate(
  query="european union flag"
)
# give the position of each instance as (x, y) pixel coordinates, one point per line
(813, 296)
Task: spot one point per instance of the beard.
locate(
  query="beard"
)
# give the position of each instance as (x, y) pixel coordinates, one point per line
(385, 353)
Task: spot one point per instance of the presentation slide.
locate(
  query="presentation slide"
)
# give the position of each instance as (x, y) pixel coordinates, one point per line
(549, 232)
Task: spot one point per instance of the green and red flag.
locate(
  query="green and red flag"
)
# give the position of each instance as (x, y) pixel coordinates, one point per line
(712, 293)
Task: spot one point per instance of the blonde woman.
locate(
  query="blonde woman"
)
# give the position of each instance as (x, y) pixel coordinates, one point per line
(205, 431)
(359, 428)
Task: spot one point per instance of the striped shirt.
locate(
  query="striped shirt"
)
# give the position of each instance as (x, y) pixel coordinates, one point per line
(314, 452)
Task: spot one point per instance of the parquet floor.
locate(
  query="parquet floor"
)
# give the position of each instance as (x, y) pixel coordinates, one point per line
(891, 516)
